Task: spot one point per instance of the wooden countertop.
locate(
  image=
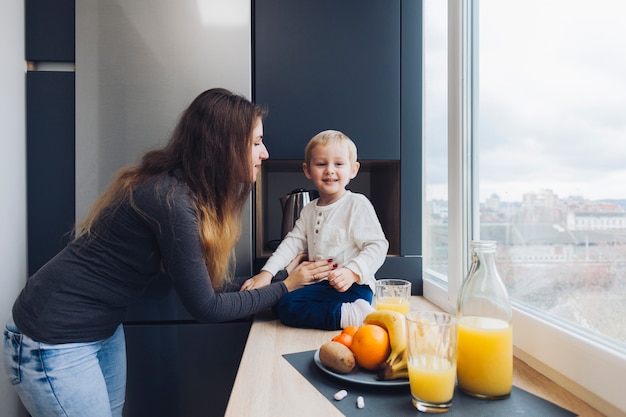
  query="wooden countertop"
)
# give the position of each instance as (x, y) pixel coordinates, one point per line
(267, 385)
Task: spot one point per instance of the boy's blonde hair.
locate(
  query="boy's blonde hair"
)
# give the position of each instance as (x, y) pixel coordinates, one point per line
(327, 137)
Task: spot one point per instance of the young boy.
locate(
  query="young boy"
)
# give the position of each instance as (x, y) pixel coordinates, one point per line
(339, 225)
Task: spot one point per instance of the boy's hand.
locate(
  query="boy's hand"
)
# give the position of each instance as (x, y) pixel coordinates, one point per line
(301, 257)
(342, 279)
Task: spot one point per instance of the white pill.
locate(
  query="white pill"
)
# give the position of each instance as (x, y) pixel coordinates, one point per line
(360, 402)
(340, 395)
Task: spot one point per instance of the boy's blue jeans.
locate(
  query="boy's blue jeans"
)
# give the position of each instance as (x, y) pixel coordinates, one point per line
(70, 379)
(318, 305)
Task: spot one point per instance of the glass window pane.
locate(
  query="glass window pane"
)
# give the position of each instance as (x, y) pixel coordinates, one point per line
(550, 135)
(435, 139)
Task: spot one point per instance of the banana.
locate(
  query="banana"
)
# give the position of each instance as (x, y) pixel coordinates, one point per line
(395, 366)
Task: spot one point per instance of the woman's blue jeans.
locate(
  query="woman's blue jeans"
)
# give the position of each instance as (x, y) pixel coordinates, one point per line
(70, 379)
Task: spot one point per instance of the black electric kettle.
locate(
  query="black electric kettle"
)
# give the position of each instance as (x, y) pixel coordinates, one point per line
(292, 205)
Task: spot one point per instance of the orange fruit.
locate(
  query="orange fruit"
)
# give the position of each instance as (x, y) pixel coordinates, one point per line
(343, 338)
(370, 346)
(351, 330)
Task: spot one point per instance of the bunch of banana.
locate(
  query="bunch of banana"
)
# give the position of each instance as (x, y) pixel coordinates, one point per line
(395, 366)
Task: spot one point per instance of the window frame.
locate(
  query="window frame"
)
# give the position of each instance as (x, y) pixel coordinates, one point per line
(587, 367)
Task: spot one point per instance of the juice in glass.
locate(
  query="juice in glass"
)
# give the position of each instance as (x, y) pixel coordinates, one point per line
(485, 357)
(398, 304)
(431, 378)
(393, 294)
(431, 361)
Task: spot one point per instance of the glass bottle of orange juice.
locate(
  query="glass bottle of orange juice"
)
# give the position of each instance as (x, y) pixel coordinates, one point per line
(485, 342)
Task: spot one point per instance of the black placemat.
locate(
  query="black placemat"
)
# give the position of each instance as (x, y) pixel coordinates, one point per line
(396, 401)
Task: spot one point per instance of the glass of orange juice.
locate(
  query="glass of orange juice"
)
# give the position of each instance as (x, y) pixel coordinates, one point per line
(432, 350)
(393, 294)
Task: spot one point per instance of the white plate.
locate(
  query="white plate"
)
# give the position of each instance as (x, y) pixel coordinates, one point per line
(359, 376)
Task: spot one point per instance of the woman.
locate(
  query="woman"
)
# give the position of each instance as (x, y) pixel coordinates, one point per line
(179, 212)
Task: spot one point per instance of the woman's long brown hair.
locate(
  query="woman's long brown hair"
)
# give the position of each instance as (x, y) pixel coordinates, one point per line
(210, 149)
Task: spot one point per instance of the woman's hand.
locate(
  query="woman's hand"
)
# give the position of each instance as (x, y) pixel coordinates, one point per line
(307, 273)
(260, 280)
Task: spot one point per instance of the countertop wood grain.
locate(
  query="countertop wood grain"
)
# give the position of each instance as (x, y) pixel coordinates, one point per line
(267, 385)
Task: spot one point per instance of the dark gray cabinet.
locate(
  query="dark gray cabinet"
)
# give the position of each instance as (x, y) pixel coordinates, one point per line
(328, 64)
(50, 158)
(49, 30)
(185, 369)
(50, 128)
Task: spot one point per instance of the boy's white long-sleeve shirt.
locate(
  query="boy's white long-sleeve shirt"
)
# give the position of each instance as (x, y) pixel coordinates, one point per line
(346, 231)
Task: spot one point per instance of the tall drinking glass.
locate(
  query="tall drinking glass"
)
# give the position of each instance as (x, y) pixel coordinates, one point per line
(432, 343)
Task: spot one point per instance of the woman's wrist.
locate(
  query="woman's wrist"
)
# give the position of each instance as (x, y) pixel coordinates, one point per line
(280, 275)
(288, 284)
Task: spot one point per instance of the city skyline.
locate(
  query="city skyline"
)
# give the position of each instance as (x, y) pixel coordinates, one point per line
(439, 193)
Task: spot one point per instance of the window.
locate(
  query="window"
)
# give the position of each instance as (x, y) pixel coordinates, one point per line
(551, 157)
(436, 145)
(535, 151)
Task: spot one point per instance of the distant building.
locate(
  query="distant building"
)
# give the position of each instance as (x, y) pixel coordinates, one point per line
(596, 216)
(541, 207)
(541, 253)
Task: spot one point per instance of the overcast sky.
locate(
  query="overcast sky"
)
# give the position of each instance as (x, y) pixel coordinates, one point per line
(552, 98)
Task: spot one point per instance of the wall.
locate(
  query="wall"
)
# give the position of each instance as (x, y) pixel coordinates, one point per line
(12, 174)
(138, 65)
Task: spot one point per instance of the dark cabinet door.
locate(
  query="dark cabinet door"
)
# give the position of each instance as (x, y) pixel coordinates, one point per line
(185, 370)
(50, 158)
(49, 29)
(328, 64)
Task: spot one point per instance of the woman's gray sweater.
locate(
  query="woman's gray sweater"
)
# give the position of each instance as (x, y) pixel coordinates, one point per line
(82, 293)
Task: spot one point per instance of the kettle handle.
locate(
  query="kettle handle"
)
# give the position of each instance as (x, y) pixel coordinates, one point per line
(298, 190)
